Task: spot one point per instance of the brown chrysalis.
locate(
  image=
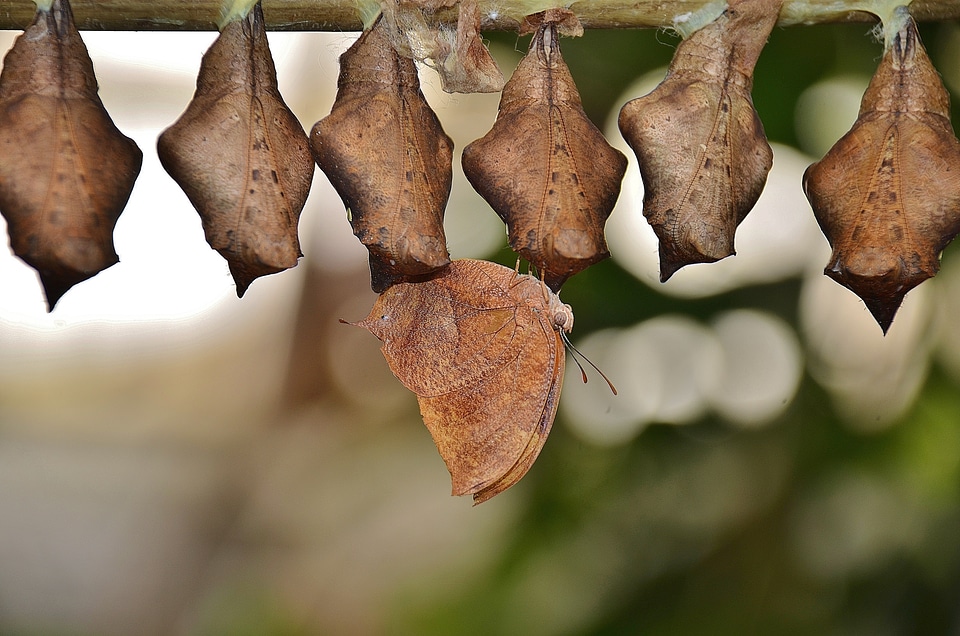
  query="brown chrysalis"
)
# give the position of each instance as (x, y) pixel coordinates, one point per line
(701, 147)
(241, 156)
(384, 151)
(544, 167)
(66, 171)
(887, 195)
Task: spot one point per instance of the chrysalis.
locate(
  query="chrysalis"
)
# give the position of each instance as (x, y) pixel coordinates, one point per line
(544, 167)
(701, 147)
(241, 156)
(66, 171)
(887, 195)
(384, 151)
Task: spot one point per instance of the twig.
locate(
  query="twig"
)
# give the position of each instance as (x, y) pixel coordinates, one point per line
(341, 15)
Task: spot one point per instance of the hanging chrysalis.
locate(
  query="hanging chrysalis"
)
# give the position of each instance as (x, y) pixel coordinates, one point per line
(384, 151)
(240, 155)
(66, 171)
(887, 195)
(701, 147)
(544, 167)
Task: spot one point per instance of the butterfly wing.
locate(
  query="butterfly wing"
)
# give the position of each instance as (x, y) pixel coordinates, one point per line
(536, 439)
(486, 366)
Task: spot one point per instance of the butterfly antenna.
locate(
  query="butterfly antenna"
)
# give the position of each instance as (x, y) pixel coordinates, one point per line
(574, 352)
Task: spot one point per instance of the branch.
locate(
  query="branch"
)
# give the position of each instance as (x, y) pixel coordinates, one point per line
(341, 15)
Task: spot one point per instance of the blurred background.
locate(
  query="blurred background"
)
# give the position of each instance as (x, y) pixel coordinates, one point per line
(174, 460)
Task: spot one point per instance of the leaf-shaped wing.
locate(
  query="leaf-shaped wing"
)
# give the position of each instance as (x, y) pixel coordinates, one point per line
(241, 156)
(385, 152)
(476, 344)
(490, 434)
(67, 172)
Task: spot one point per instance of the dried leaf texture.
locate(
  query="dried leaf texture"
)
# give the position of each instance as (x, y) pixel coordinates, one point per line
(480, 345)
(887, 195)
(545, 168)
(701, 147)
(241, 156)
(66, 171)
(384, 151)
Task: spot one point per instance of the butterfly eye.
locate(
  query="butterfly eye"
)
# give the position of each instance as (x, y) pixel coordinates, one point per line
(563, 320)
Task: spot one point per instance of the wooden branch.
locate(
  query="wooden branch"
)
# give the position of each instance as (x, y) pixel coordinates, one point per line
(341, 15)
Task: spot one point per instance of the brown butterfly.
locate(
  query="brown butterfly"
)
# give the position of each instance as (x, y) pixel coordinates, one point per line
(66, 172)
(483, 348)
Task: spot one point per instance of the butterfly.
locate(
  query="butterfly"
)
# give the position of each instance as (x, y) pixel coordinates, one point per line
(482, 346)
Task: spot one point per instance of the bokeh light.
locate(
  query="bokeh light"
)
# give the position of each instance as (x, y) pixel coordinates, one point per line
(746, 366)
(762, 367)
(826, 111)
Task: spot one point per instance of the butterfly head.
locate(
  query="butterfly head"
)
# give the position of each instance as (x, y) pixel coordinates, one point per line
(561, 314)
